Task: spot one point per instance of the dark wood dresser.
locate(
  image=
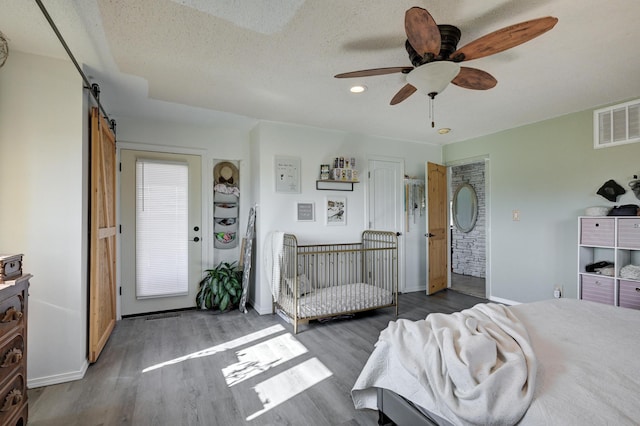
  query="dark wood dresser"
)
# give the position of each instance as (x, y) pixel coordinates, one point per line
(13, 351)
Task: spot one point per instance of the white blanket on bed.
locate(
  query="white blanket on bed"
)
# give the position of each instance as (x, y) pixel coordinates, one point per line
(273, 248)
(474, 366)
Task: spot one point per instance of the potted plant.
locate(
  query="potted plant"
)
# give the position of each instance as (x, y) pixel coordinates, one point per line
(220, 288)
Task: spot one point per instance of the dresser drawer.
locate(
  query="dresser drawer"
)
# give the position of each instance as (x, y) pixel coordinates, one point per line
(13, 397)
(629, 294)
(11, 313)
(11, 356)
(629, 233)
(597, 232)
(598, 289)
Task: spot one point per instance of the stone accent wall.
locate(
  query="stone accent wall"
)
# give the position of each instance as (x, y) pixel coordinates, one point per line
(468, 255)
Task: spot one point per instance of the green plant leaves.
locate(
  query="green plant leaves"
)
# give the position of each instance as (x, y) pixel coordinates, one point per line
(221, 287)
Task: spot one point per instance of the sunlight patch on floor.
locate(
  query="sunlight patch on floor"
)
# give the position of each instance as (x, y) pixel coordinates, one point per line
(232, 344)
(281, 387)
(261, 357)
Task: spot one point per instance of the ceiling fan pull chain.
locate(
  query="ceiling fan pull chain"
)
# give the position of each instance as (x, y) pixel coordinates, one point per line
(432, 112)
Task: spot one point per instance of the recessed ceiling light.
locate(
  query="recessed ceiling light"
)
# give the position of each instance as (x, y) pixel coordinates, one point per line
(444, 130)
(358, 89)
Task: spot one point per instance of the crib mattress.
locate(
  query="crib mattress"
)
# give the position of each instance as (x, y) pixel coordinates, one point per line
(342, 299)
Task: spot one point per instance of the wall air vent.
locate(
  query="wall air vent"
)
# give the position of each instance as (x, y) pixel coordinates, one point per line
(616, 125)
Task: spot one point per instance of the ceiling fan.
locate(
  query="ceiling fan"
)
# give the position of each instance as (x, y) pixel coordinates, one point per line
(433, 52)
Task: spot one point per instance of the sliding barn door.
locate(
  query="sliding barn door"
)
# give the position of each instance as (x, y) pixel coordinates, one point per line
(102, 262)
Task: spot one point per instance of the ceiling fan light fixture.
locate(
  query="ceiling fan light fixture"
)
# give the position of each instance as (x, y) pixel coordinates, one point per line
(358, 89)
(433, 77)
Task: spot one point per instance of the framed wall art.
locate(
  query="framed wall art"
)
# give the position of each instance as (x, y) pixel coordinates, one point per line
(305, 211)
(336, 211)
(287, 174)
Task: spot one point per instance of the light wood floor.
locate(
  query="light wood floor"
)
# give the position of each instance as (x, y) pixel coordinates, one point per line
(188, 354)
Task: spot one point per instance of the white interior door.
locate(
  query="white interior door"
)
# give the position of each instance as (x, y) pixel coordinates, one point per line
(386, 206)
(161, 231)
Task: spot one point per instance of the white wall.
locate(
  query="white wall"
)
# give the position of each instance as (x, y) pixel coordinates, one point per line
(315, 146)
(212, 143)
(43, 215)
(550, 172)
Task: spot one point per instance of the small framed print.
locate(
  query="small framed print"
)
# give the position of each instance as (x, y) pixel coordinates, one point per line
(324, 171)
(287, 174)
(336, 211)
(305, 211)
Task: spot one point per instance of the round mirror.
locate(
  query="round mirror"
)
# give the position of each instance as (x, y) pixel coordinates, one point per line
(465, 207)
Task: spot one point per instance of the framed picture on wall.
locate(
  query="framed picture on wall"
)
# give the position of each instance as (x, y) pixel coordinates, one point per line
(287, 173)
(305, 211)
(336, 211)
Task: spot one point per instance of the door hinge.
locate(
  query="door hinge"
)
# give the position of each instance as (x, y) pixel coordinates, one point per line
(120, 166)
(120, 290)
(120, 229)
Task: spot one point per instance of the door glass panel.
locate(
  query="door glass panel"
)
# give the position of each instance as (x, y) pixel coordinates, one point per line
(161, 228)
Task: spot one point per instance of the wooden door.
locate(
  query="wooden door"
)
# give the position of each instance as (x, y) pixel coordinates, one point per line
(437, 228)
(102, 239)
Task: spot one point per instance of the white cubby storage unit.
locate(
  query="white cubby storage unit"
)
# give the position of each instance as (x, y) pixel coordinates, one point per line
(612, 239)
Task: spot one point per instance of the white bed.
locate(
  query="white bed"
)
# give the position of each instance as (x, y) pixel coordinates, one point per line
(584, 368)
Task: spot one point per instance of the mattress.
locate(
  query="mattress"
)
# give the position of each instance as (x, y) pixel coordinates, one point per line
(344, 298)
(587, 366)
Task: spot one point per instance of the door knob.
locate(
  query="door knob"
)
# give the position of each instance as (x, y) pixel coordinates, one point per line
(195, 228)
(429, 235)
(196, 239)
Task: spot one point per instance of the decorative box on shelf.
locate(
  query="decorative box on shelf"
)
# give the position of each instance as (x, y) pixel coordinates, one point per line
(10, 266)
(349, 175)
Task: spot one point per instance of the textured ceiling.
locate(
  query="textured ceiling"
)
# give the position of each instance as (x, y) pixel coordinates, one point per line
(235, 61)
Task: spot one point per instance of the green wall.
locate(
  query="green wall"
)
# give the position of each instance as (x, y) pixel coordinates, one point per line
(550, 172)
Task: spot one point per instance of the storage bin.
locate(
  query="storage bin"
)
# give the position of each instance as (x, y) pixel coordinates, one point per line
(629, 294)
(598, 289)
(221, 227)
(629, 233)
(221, 197)
(225, 240)
(597, 232)
(225, 210)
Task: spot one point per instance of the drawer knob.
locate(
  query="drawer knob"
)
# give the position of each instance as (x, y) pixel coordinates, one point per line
(12, 399)
(638, 289)
(11, 314)
(12, 357)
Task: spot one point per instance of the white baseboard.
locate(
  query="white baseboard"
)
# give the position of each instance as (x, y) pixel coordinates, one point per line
(414, 289)
(71, 376)
(503, 301)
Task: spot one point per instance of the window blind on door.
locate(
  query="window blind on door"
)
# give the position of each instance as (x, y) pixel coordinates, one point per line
(161, 228)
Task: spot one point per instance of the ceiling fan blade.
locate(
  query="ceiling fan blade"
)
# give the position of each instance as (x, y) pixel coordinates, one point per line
(504, 39)
(374, 71)
(422, 31)
(473, 78)
(403, 94)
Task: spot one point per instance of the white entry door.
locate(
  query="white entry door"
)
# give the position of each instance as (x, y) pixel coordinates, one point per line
(386, 206)
(161, 231)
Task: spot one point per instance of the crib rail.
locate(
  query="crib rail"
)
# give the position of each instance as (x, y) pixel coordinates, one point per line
(324, 280)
